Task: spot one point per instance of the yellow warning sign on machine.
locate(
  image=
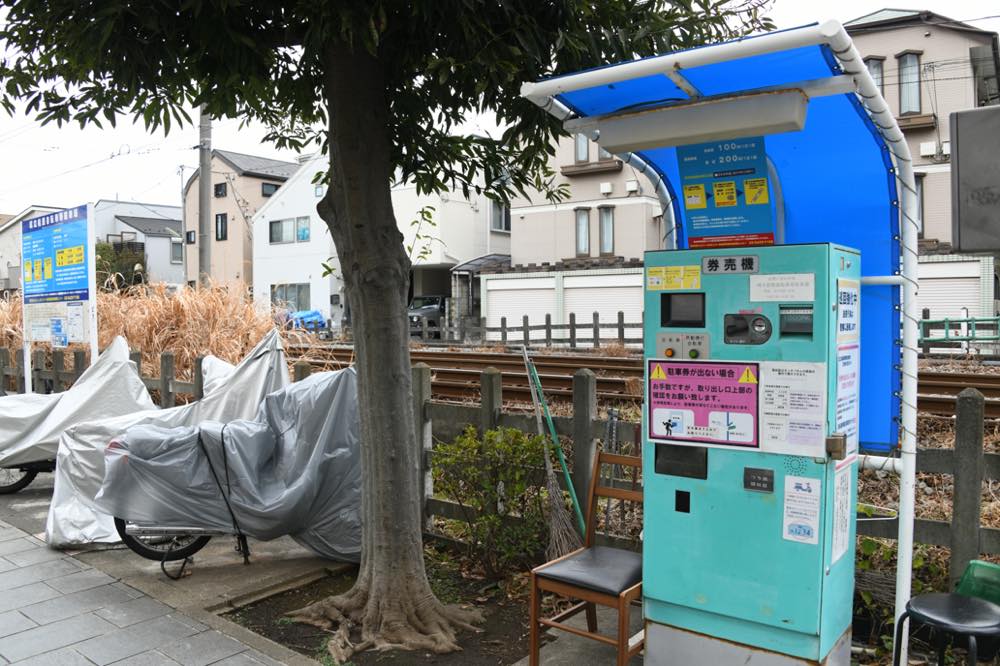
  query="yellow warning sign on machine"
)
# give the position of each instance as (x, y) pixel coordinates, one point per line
(755, 190)
(694, 196)
(669, 278)
(724, 192)
(658, 372)
(748, 377)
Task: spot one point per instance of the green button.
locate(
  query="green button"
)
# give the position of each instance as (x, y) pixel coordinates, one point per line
(693, 353)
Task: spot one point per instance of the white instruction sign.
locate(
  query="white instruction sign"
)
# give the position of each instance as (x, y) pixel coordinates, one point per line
(801, 514)
(841, 513)
(786, 287)
(848, 310)
(848, 380)
(793, 408)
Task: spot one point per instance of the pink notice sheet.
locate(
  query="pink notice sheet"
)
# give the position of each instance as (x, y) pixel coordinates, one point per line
(700, 401)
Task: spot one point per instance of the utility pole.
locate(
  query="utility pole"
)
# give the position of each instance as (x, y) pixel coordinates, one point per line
(204, 197)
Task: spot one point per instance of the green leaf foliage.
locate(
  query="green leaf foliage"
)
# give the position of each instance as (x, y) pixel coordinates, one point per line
(498, 482)
(443, 61)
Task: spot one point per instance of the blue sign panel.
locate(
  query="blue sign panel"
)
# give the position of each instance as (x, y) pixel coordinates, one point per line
(56, 280)
(725, 193)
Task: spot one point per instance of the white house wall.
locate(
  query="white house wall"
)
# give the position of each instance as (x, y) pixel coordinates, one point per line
(296, 262)
(460, 231)
(559, 294)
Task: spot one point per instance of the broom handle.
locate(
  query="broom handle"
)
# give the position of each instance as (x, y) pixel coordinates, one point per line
(534, 394)
(557, 446)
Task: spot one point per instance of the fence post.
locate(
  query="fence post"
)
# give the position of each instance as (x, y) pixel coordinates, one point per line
(197, 378)
(925, 330)
(572, 330)
(597, 330)
(526, 331)
(421, 389)
(492, 398)
(4, 364)
(503, 330)
(548, 329)
(301, 370)
(136, 357)
(37, 368)
(166, 380)
(968, 482)
(58, 368)
(423, 329)
(19, 370)
(621, 327)
(482, 330)
(584, 413)
(80, 363)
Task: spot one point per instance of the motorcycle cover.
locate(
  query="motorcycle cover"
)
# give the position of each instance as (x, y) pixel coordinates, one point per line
(229, 393)
(31, 423)
(294, 469)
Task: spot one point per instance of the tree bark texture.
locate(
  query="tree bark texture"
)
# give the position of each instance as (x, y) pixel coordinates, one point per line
(391, 604)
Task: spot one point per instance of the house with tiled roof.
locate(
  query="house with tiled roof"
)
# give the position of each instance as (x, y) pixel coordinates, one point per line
(241, 184)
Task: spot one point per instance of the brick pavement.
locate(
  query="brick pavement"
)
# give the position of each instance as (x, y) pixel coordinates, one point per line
(56, 610)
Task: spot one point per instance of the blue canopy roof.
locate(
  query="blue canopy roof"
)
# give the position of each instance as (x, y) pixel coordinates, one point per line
(836, 178)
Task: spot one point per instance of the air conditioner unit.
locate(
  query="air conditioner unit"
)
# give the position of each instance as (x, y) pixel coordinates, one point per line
(607, 188)
(946, 148)
(631, 186)
(928, 148)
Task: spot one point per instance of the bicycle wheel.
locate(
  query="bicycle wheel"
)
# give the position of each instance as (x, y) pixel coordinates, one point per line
(13, 479)
(161, 548)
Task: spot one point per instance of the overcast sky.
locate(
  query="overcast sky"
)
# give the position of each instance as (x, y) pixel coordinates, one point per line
(69, 166)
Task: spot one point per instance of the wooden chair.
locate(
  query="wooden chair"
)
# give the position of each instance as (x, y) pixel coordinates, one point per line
(594, 574)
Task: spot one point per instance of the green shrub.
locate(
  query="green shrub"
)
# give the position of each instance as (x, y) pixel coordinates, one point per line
(498, 482)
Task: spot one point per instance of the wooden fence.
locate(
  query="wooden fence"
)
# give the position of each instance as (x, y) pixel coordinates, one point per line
(435, 420)
(573, 334)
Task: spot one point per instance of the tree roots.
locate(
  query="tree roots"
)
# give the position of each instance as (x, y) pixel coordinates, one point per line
(359, 621)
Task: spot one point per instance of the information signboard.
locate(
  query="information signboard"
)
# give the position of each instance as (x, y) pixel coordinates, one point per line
(708, 402)
(727, 202)
(58, 278)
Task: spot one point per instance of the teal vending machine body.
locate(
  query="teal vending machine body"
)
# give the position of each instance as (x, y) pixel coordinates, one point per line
(750, 454)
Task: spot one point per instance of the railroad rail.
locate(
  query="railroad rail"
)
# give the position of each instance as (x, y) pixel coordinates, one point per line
(456, 376)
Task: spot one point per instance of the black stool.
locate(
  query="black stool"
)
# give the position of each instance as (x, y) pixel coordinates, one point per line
(952, 615)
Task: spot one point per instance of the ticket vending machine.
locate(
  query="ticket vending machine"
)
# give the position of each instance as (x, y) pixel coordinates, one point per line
(750, 454)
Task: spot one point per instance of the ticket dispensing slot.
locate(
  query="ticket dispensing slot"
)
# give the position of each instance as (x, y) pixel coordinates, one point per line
(795, 320)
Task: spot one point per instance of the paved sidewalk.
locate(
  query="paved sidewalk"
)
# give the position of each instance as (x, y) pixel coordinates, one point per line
(57, 610)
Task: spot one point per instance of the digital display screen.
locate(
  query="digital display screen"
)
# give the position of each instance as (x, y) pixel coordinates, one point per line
(683, 310)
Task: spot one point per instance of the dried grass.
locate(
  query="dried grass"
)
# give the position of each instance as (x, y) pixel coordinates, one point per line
(187, 322)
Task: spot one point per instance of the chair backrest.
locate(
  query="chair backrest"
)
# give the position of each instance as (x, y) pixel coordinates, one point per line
(981, 579)
(599, 489)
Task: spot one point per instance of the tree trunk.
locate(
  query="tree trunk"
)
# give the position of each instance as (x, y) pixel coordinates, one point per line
(391, 604)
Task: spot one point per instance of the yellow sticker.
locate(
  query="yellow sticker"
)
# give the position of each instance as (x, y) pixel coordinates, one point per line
(27, 271)
(48, 268)
(38, 269)
(755, 190)
(694, 196)
(724, 192)
(671, 278)
(658, 372)
(748, 377)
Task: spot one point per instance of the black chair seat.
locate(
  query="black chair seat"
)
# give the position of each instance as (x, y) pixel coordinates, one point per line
(599, 568)
(956, 614)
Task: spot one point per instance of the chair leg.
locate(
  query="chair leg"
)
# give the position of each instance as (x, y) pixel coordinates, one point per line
(942, 642)
(591, 610)
(623, 627)
(897, 646)
(533, 615)
(973, 652)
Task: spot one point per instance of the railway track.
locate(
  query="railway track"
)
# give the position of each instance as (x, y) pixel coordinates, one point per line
(456, 376)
